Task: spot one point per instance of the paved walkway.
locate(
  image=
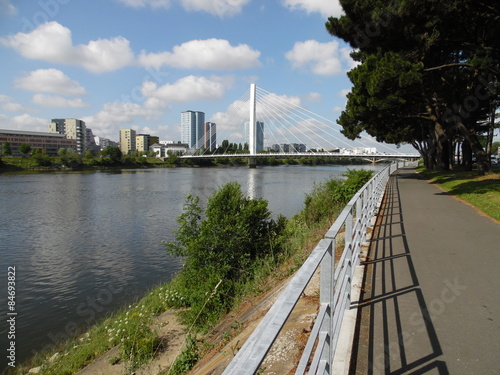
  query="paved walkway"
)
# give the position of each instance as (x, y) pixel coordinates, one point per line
(432, 288)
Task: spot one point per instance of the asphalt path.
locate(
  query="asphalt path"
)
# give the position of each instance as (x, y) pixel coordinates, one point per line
(431, 303)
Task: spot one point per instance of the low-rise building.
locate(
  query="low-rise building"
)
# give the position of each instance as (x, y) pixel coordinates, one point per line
(102, 143)
(165, 149)
(49, 142)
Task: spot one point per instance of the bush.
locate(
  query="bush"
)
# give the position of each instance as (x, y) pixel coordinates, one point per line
(221, 250)
(42, 159)
(329, 198)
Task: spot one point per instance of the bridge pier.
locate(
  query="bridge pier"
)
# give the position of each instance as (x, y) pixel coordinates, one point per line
(252, 162)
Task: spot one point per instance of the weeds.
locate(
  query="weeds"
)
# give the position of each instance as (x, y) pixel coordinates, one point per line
(188, 358)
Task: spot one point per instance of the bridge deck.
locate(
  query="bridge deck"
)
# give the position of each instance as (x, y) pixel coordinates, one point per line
(431, 293)
(307, 154)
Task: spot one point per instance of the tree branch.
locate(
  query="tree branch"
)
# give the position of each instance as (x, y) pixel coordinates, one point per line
(448, 66)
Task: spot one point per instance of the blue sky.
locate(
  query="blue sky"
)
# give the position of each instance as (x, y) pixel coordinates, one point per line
(140, 63)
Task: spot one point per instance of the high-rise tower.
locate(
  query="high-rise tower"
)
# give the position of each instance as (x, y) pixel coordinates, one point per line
(259, 135)
(192, 128)
(210, 136)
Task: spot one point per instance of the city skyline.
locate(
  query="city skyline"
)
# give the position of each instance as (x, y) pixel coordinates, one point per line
(120, 74)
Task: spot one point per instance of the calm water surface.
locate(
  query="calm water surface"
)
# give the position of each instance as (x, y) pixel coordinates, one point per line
(85, 244)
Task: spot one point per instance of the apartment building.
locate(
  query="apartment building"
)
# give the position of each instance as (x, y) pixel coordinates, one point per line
(142, 142)
(127, 141)
(73, 129)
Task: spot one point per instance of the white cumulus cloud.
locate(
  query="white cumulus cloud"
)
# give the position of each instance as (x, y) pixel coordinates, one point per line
(50, 80)
(324, 59)
(24, 122)
(113, 116)
(314, 97)
(213, 54)
(53, 43)
(186, 89)
(55, 101)
(270, 107)
(221, 8)
(145, 3)
(7, 104)
(326, 8)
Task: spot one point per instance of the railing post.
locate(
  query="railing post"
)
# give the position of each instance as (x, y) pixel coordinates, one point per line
(326, 298)
(348, 235)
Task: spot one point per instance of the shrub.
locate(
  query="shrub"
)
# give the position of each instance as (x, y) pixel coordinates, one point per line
(221, 249)
(329, 198)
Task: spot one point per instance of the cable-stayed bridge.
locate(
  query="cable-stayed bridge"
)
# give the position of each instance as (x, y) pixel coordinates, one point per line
(271, 125)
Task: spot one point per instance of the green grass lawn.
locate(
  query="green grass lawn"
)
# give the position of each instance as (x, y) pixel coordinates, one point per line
(483, 192)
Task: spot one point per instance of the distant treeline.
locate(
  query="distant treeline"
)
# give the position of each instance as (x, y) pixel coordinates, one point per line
(112, 157)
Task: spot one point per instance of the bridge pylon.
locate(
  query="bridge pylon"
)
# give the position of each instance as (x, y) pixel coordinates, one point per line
(252, 129)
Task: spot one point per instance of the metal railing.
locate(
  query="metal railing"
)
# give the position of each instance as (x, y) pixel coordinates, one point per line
(335, 288)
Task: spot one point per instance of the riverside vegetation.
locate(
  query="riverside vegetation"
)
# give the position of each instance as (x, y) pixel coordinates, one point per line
(230, 250)
(112, 157)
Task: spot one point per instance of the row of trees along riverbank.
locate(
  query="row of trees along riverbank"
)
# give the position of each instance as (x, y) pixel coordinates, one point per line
(428, 75)
(112, 157)
(231, 250)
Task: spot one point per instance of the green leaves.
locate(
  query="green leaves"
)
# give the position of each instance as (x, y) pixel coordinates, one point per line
(329, 198)
(420, 68)
(223, 244)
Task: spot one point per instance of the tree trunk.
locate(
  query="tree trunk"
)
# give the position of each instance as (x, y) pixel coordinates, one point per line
(470, 136)
(442, 148)
(466, 156)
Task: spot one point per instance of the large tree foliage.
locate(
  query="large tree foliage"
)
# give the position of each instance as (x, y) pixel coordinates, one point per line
(428, 73)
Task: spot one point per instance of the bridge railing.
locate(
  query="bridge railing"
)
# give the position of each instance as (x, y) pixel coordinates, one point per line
(335, 288)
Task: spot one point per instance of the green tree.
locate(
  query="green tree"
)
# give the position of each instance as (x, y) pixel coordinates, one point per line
(6, 148)
(221, 248)
(62, 152)
(25, 148)
(114, 153)
(422, 78)
(41, 158)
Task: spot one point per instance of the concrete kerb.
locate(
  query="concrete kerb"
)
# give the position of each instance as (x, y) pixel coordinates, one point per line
(342, 358)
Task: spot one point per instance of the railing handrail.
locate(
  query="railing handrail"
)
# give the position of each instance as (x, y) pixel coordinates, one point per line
(335, 285)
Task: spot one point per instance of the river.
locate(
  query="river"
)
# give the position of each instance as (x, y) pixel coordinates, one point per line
(84, 244)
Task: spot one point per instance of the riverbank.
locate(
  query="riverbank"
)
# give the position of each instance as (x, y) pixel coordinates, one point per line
(130, 330)
(43, 163)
